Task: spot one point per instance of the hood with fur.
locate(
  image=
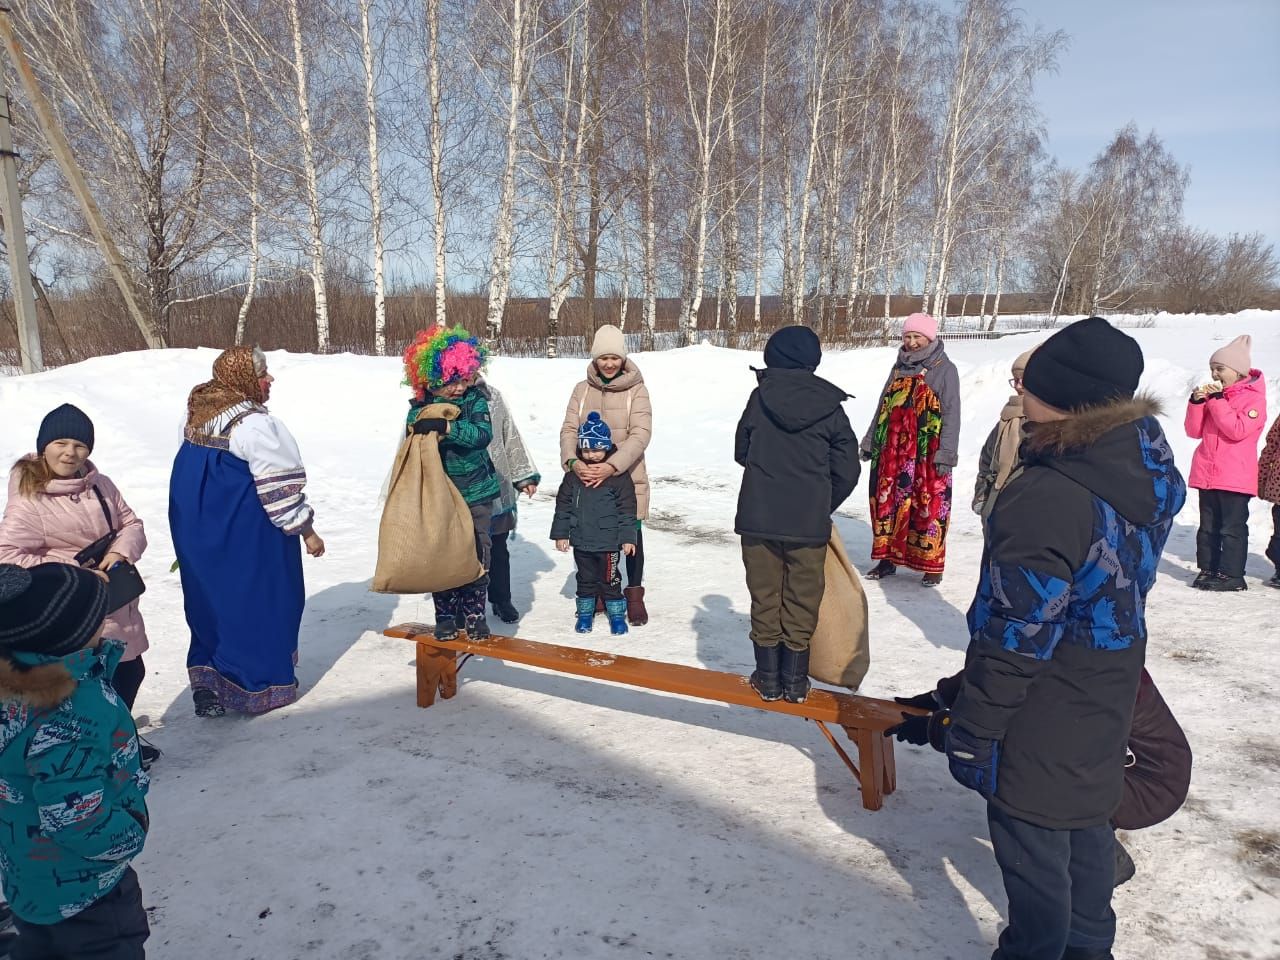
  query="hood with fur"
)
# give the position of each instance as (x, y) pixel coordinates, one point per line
(1117, 451)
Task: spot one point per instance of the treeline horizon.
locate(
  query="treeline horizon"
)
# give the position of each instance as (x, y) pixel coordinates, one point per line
(269, 167)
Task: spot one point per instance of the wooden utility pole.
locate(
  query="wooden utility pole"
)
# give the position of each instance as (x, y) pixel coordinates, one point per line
(61, 150)
(15, 238)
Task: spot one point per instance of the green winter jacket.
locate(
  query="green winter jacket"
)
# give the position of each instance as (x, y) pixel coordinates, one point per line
(465, 448)
(73, 811)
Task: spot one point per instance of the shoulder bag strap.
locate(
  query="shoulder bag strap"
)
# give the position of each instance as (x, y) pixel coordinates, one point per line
(111, 529)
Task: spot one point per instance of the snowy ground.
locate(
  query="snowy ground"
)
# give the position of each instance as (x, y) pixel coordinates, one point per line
(538, 815)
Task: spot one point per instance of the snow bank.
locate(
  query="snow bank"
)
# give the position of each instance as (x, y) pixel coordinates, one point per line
(544, 816)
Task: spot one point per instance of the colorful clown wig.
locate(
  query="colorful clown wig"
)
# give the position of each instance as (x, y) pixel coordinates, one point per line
(441, 355)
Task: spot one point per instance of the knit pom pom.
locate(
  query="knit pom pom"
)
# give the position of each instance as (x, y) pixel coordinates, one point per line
(442, 355)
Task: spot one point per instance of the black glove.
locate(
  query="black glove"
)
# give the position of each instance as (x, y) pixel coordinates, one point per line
(931, 729)
(865, 455)
(925, 701)
(431, 425)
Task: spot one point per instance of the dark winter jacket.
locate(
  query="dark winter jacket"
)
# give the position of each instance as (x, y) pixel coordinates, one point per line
(464, 450)
(71, 787)
(596, 519)
(1157, 771)
(1058, 627)
(800, 457)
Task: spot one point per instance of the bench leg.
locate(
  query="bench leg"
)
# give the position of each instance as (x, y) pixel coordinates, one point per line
(437, 670)
(890, 767)
(871, 765)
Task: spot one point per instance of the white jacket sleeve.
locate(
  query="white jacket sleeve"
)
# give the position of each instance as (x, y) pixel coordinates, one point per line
(268, 447)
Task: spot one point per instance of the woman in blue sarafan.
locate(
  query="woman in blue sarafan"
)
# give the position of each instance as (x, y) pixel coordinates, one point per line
(237, 513)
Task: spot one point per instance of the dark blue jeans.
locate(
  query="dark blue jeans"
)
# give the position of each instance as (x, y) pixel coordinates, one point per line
(1059, 884)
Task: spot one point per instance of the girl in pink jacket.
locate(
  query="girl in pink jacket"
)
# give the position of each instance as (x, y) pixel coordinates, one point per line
(1227, 416)
(56, 509)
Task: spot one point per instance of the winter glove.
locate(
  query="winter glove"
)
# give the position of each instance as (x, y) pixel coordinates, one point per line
(918, 730)
(866, 455)
(972, 760)
(925, 701)
(942, 469)
(431, 425)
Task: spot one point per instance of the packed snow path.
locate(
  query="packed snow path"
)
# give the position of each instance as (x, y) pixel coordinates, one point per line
(546, 816)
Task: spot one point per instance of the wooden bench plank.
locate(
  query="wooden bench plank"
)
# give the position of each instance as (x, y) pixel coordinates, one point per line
(844, 709)
(864, 719)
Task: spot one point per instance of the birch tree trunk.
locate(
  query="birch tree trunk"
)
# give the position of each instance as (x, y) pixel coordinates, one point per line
(434, 98)
(255, 195)
(375, 185)
(312, 181)
(703, 122)
(760, 182)
(504, 227)
(817, 103)
(564, 178)
(650, 281)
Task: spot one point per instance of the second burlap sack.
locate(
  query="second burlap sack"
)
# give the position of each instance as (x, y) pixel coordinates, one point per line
(840, 650)
(426, 541)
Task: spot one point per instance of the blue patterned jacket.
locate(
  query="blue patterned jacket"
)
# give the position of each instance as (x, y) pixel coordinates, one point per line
(1058, 626)
(73, 811)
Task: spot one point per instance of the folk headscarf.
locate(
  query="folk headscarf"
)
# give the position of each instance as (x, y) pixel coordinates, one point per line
(237, 375)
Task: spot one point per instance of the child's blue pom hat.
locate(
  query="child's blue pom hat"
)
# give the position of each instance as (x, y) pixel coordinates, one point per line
(594, 434)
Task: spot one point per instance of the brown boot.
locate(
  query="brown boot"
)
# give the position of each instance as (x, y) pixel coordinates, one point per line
(599, 604)
(637, 615)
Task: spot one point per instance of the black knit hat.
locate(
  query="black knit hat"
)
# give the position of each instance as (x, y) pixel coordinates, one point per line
(53, 608)
(67, 422)
(1084, 365)
(793, 348)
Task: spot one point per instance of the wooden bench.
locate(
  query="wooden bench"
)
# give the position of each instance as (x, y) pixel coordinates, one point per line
(863, 718)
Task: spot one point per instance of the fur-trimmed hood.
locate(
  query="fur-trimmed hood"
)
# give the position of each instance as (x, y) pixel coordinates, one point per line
(41, 687)
(1117, 451)
(42, 682)
(1087, 427)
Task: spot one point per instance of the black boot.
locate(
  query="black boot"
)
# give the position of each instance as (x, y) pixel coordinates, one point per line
(766, 681)
(505, 611)
(1225, 584)
(795, 674)
(1125, 868)
(207, 703)
(885, 568)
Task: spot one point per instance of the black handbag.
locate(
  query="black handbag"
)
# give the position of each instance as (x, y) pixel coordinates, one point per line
(124, 583)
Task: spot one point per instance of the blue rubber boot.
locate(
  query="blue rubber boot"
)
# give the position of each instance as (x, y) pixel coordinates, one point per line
(586, 613)
(617, 612)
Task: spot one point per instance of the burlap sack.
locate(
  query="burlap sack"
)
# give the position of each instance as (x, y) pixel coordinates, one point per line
(840, 651)
(426, 541)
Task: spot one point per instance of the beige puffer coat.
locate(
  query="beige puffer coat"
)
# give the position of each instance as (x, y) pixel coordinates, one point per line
(623, 403)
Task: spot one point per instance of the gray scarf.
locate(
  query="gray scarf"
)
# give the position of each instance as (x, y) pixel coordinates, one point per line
(911, 362)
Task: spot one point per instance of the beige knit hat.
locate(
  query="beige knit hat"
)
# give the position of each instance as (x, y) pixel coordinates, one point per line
(609, 341)
(1020, 365)
(1235, 355)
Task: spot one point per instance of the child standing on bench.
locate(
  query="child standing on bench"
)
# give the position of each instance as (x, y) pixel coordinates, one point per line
(800, 462)
(443, 364)
(597, 519)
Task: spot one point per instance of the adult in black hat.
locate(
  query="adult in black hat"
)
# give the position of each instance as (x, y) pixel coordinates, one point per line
(1058, 637)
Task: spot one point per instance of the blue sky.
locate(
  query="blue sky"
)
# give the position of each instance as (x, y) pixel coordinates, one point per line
(1204, 74)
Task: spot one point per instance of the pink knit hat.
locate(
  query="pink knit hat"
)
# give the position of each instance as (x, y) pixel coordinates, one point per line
(1235, 355)
(922, 324)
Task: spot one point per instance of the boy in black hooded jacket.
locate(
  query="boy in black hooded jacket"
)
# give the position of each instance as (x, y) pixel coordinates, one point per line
(801, 462)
